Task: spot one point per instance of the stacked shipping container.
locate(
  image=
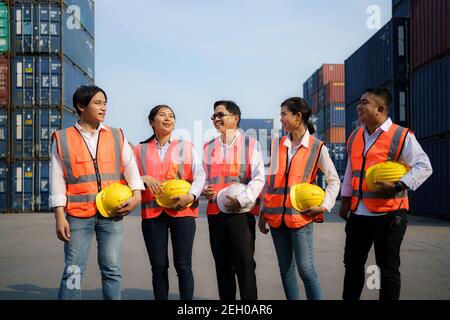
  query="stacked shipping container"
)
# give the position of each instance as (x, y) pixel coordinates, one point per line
(430, 115)
(325, 93)
(51, 54)
(263, 131)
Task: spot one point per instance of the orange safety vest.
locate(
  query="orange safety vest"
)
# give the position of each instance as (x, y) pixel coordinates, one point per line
(86, 176)
(177, 164)
(388, 146)
(303, 169)
(235, 169)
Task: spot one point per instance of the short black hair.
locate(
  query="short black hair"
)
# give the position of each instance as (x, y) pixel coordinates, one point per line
(84, 94)
(231, 107)
(383, 93)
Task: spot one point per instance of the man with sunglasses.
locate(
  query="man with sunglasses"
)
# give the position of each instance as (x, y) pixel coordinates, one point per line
(231, 158)
(378, 217)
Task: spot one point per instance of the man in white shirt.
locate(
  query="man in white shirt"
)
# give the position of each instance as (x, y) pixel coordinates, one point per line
(378, 217)
(81, 166)
(230, 158)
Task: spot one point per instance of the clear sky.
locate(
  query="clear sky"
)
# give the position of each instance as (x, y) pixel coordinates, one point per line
(188, 54)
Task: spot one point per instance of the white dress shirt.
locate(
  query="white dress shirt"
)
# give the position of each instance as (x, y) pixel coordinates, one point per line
(258, 179)
(325, 164)
(412, 155)
(57, 180)
(197, 168)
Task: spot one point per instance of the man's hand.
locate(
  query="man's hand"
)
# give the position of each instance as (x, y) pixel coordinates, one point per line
(209, 193)
(154, 186)
(313, 211)
(62, 226)
(182, 201)
(262, 224)
(232, 204)
(127, 206)
(386, 189)
(346, 206)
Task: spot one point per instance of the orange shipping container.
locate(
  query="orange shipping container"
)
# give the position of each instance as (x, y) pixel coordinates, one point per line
(331, 72)
(335, 135)
(334, 93)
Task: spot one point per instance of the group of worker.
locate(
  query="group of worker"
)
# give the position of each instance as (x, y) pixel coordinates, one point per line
(90, 156)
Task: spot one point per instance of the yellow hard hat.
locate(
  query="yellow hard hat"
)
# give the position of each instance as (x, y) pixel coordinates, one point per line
(305, 196)
(109, 198)
(173, 188)
(389, 171)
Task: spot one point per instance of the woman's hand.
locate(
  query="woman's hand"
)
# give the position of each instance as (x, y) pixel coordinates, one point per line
(62, 226)
(154, 185)
(182, 201)
(209, 193)
(313, 211)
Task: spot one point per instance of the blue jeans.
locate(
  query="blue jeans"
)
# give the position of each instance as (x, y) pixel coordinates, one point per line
(156, 237)
(298, 243)
(76, 252)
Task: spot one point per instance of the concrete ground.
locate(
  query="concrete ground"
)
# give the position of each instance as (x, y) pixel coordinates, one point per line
(31, 261)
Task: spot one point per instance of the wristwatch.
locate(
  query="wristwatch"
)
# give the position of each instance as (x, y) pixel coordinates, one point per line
(399, 186)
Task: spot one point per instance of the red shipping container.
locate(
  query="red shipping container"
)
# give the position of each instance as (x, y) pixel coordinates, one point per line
(331, 72)
(335, 135)
(430, 30)
(4, 83)
(315, 103)
(334, 93)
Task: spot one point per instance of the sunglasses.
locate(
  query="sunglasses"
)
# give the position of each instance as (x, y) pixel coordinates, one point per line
(220, 115)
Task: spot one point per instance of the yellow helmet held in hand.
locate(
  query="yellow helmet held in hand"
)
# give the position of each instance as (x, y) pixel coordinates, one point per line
(305, 196)
(173, 188)
(109, 198)
(388, 171)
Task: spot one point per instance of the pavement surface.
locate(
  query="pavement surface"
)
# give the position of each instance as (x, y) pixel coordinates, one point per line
(32, 261)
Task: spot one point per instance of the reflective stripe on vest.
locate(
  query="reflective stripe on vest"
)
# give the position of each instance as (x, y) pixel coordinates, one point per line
(303, 169)
(86, 176)
(388, 146)
(177, 164)
(234, 168)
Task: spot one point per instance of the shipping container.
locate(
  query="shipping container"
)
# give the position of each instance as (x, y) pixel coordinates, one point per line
(401, 8)
(334, 92)
(351, 119)
(4, 134)
(30, 186)
(431, 198)
(38, 28)
(331, 72)
(321, 97)
(260, 129)
(4, 28)
(305, 93)
(430, 96)
(337, 153)
(382, 59)
(315, 103)
(335, 115)
(314, 119)
(335, 135)
(321, 120)
(4, 186)
(430, 30)
(4, 81)
(33, 129)
(313, 83)
(81, 14)
(36, 81)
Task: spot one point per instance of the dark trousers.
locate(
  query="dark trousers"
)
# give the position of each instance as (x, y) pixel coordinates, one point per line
(386, 233)
(156, 236)
(232, 239)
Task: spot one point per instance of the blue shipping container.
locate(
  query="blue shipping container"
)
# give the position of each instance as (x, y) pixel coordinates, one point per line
(37, 28)
(351, 119)
(321, 121)
(335, 115)
(4, 133)
(33, 129)
(81, 14)
(382, 59)
(36, 81)
(4, 186)
(313, 83)
(430, 95)
(30, 186)
(401, 8)
(260, 129)
(305, 93)
(431, 198)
